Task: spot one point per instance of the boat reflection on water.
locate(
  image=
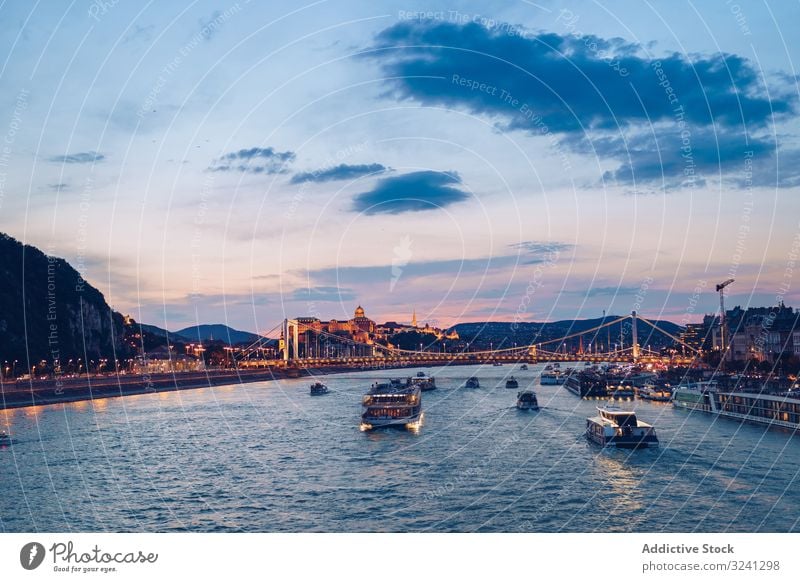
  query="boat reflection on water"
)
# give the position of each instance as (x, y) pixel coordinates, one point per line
(621, 482)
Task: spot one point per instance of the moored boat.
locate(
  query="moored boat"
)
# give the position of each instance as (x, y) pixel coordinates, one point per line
(613, 427)
(655, 393)
(318, 388)
(512, 382)
(620, 392)
(552, 378)
(586, 385)
(773, 410)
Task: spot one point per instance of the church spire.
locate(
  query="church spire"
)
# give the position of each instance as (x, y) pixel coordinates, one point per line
(414, 318)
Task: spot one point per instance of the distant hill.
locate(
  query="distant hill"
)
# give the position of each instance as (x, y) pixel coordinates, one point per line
(48, 312)
(217, 332)
(507, 333)
(160, 332)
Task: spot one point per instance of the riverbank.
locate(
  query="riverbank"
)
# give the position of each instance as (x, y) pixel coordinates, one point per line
(56, 391)
(60, 390)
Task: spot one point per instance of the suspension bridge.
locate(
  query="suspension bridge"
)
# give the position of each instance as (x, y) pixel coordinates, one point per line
(303, 343)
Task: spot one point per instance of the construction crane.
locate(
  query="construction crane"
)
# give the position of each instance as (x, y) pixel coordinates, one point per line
(721, 291)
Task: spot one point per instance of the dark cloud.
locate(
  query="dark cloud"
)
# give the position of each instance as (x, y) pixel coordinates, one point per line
(254, 161)
(61, 187)
(597, 95)
(417, 191)
(340, 172)
(79, 158)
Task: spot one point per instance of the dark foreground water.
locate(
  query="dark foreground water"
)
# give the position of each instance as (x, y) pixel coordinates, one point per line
(269, 457)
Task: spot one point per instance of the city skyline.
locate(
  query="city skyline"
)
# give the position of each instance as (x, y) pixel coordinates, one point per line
(238, 164)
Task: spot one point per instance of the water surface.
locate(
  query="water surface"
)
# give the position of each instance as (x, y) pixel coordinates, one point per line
(270, 457)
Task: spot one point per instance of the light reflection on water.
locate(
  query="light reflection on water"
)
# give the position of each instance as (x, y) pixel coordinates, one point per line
(269, 457)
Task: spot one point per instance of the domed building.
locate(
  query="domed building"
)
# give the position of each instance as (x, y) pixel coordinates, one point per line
(362, 328)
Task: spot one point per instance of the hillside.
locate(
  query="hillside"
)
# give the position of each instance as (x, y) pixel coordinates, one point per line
(507, 333)
(47, 311)
(217, 332)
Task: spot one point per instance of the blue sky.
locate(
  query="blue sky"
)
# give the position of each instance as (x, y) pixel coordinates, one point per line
(238, 163)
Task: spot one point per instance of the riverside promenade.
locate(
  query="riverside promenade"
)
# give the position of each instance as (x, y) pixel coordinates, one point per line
(18, 394)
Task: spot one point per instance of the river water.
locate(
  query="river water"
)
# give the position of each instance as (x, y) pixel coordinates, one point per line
(269, 457)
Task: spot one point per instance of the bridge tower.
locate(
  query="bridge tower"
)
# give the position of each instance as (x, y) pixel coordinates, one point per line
(291, 339)
(634, 337)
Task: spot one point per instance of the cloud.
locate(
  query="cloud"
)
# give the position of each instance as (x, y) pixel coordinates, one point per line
(340, 172)
(323, 293)
(702, 114)
(609, 291)
(528, 252)
(61, 187)
(79, 158)
(254, 161)
(541, 251)
(414, 192)
(209, 28)
(139, 32)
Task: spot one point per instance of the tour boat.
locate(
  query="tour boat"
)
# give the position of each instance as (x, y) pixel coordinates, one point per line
(512, 383)
(523, 367)
(613, 427)
(526, 400)
(497, 364)
(420, 374)
(318, 388)
(472, 383)
(392, 404)
(5, 438)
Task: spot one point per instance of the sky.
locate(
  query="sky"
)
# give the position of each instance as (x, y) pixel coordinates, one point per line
(243, 162)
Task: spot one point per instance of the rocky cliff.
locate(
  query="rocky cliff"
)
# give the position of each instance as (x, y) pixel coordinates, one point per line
(48, 312)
